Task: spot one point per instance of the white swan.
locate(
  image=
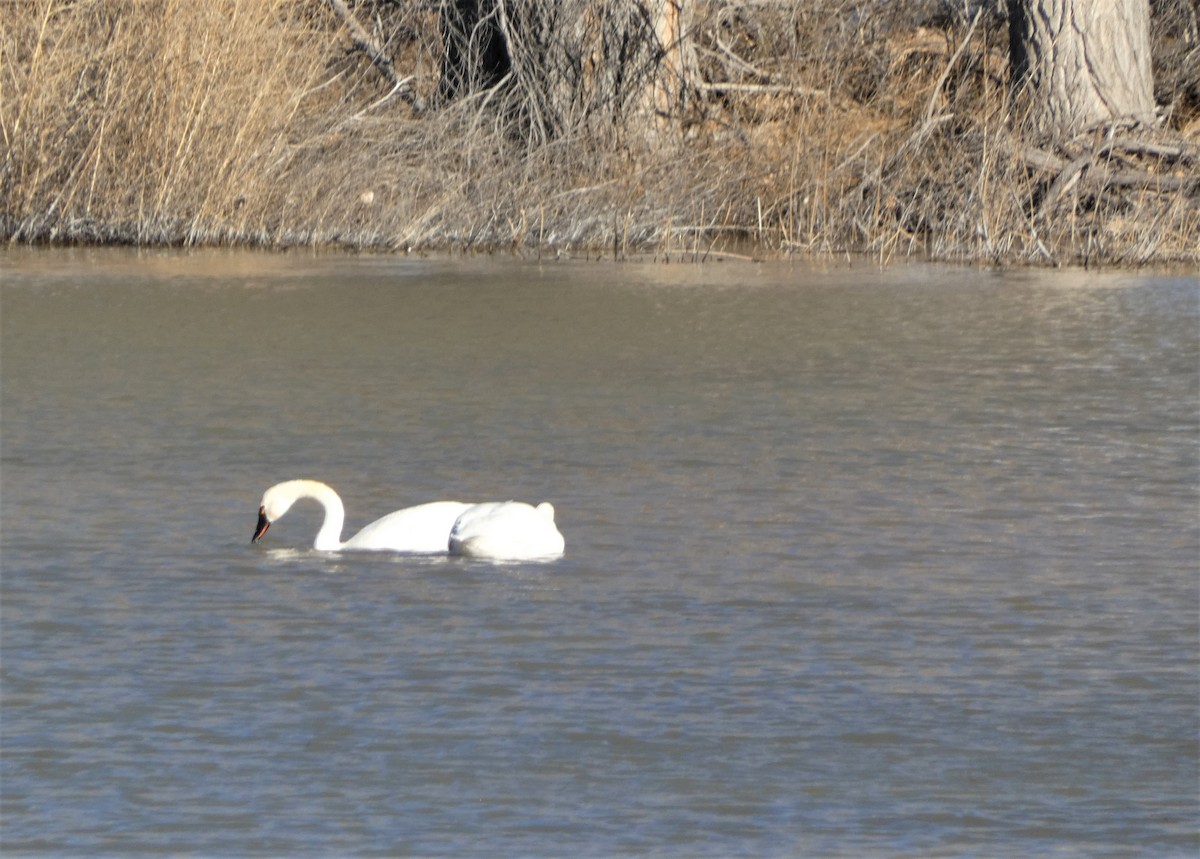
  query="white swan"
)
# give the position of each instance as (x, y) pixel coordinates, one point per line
(424, 528)
(507, 531)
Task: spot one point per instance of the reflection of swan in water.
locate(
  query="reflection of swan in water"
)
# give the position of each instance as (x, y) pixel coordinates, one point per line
(506, 530)
(424, 528)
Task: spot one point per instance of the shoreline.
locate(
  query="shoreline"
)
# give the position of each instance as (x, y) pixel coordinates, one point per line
(213, 256)
(897, 138)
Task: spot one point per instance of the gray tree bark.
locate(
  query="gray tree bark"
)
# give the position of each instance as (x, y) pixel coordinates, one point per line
(1082, 63)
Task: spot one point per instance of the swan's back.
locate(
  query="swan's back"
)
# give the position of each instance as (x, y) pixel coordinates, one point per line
(507, 531)
(414, 529)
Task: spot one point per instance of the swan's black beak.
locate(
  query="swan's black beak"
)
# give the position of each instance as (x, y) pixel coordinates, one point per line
(263, 524)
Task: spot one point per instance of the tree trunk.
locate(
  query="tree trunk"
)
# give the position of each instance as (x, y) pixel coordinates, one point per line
(1082, 63)
(570, 65)
(675, 71)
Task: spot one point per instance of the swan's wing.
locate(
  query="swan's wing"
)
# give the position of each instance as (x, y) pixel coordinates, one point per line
(506, 530)
(478, 515)
(424, 528)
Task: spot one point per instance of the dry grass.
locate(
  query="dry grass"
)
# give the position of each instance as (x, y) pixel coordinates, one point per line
(144, 121)
(816, 130)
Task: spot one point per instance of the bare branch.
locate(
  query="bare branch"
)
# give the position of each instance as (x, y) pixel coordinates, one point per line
(362, 41)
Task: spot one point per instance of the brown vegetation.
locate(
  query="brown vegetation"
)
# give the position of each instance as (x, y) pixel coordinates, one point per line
(810, 127)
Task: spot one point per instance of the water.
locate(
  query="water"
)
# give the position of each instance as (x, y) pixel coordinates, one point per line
(858, 563)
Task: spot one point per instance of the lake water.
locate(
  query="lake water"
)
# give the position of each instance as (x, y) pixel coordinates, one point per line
(858, 563)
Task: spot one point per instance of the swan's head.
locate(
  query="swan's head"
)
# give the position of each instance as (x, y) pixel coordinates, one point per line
(275, 502)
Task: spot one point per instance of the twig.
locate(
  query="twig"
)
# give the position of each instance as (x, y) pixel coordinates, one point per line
(937, 89)
(708, 228)
(585, 190)
(1033, 232)
(400, 88)
(741, 63)
(918, 137)
(362, 41)
(849, 158)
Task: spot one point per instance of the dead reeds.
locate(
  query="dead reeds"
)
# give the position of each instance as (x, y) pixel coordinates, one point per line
(816, 127)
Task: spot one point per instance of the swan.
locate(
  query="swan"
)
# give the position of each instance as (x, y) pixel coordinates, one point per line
(507, 531)
(423, 528)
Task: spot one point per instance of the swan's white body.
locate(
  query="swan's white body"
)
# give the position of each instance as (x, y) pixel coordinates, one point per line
(508, 530)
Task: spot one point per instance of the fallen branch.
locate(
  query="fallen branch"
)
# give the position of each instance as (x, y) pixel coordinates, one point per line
(1183, 152)
(1066, 179)
(362, 40)
(1095, 176)
(777, 89)
(1144, 181)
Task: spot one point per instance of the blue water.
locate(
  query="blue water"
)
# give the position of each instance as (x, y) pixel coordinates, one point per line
(858, 563)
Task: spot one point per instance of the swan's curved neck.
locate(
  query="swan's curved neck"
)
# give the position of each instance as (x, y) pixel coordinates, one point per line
(329, 538)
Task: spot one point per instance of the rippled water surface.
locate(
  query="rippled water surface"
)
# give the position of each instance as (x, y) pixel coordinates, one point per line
(858, 563)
